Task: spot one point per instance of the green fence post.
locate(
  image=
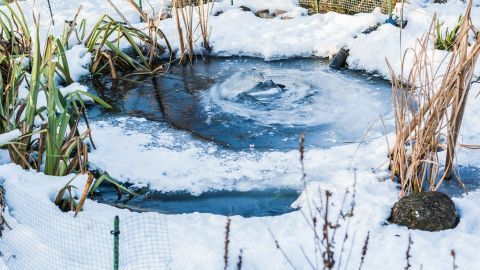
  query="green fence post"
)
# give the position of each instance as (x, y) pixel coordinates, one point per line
(116, 233)
(390, 16)
(318, 6)
(390, 9)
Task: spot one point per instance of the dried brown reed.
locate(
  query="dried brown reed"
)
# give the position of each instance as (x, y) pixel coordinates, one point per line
(204, 9)
(440, 94)
(191, 27)
(185, 28)
(454, 258)
(153, 26)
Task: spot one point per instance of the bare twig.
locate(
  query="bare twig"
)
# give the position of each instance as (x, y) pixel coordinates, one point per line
(227, 242)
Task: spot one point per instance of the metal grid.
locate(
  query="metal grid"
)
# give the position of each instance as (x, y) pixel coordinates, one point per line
(347, 6)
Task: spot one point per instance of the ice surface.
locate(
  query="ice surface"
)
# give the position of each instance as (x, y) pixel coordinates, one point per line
(245, 102)
(311, 98)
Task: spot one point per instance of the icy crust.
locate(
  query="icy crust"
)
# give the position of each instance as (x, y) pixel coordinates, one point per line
(240, 33)
(144, 152)
(148, 153)
(310, 97)
(204, 233)
(234, 32)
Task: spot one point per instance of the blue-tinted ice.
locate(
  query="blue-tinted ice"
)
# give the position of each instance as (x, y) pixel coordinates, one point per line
(245, 103)
(249, 103)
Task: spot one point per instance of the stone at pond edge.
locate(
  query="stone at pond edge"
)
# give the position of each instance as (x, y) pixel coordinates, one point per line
(427, 211)
(244, 8)
(340, 59)
(165, 15)
(264, 13)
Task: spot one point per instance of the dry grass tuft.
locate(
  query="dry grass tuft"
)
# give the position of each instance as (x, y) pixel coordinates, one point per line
(192, 19)
(429, 104)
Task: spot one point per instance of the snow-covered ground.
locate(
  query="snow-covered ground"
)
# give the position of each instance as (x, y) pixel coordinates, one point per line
(171, 160)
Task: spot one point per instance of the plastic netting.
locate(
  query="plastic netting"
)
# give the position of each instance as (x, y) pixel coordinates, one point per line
(47, 9)
(347, 6)
(38, 235)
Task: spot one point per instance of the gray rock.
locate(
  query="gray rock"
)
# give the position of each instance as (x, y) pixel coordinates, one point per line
(264, 13)
(371, 29)
(244, 8)
(165, 15)
(269, 84)
(340, 59)
(427, 211)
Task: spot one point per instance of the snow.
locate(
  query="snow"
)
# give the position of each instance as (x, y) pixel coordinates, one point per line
(241, 33)
(80, 59)
(9, 136)
(387, 38)
(154, 154)
(154, 160)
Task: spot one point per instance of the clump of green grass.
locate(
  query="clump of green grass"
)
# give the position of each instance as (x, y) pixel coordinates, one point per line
(446, 40)
(105, 43)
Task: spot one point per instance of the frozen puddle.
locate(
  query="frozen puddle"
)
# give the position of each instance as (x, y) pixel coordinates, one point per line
(222, 136)
(269, 202)
(249, 103)
(469, 176)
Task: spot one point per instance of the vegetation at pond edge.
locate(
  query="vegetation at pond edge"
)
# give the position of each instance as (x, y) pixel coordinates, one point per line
(39, 123)
(420, 139)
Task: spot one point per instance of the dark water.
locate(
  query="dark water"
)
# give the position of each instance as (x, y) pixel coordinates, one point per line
(247, 204)
(248, 103)
(468, 180)
(245, 103)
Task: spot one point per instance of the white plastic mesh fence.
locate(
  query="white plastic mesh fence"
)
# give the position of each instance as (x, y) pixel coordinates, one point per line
(39, 236)
(46, 10)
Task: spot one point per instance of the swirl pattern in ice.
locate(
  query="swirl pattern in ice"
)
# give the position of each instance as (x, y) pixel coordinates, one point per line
(341, 106)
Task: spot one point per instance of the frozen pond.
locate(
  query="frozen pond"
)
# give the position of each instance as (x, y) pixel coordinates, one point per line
(249, 103)
(244, 107)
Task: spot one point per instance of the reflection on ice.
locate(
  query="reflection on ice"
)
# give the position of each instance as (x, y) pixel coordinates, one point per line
(249, 103)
